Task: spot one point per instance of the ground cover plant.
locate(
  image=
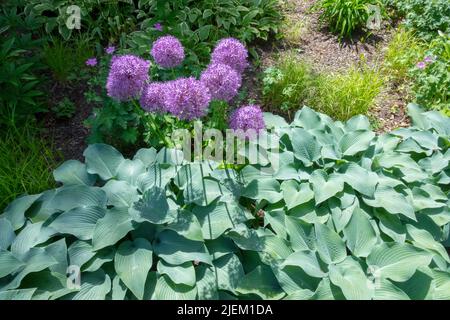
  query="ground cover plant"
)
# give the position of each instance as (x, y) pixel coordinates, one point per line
(155, 227)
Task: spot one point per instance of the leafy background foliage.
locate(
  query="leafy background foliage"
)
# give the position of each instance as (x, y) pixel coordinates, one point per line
(348, 215)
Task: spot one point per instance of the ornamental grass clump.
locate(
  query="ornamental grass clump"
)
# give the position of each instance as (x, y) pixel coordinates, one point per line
(127, 76)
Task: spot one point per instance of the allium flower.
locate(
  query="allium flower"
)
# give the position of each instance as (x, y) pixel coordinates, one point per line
(249, 119)
(158, 26)
(110, 49)
(127, 76)
(429, 59)
(187, 98)
(222, 81)
(91, 62)
(231, 52)
(152, 98)
(421, 65)
(168, 52)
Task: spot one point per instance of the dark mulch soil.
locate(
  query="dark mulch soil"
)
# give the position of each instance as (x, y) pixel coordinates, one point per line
(68, 135)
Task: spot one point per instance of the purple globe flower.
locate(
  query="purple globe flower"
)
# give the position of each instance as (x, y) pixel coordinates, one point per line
(187, 98)
(231, 52)
(158, 26)
(429, 59)
(249, 119)
(421, 65)
(127, 76)
(91, 62)
(168, 52)
(152, 98)
(222, 81)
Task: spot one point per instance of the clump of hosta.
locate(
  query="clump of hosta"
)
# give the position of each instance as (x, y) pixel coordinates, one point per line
(340, 213)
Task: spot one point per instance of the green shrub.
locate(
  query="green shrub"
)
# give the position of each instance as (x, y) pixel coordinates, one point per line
(344, 17)
(64, 108)
(403, 52)
(347, 215)
(348, 93)
(26, 163)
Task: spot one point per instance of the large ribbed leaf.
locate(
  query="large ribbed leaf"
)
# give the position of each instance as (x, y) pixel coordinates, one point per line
(261, 282)
(330, 246)
(397, 262)
(179, 274)
(103, 160)
(305, 146)
(175, 249)
(79, 222)
(356, 141)
(308, 261)
(32, 235)
(206, 283)
(325, 186)
(111, 228)
(187, 225)
(71, 197)
(132, 263)
(8, 263)
(167, 290)
(15, 211)
(80, 252)
(130, 170)
(7, 234)
(120, 193)
(267, 189)
(360, 179)
(94, 286)
(301, 234)
(21, 294)
(73, 172)
(229, 272)
(359, 234)
(153, 207)
(295, 194)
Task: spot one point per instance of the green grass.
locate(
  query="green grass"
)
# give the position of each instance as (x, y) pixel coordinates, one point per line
(26, 164)
(292, 83)
(402, 53)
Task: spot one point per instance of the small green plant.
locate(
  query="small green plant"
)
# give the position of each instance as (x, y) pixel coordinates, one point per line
(403, 52)
(292, 30)
(26, 163)
(344, 17)
(289, 84)
(64, 108)
(347, 94)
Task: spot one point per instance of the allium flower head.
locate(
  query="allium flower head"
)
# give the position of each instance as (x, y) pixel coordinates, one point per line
(421, 65)
(247, 118)
(152, 98)
(187, 98)
(110, 49)
(168, 52)
(429, 59)
(91, 62)
(231, 52)
(127, 76)
(222, 81)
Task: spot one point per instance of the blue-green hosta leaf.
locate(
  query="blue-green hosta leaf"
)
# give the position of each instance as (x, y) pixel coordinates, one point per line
(166, 289)
(397, 262)
(303, 294)
(295, 194)
(261, 282)
(35, 260)
(275, 248)
(32, 235)
(71, 197)
(103, 160)
(80, 252)
(274, 121)
(94, 286)
(340, 216)
(179, 274)
(392, 201)
(111, 228)
(293, 278)
(19, 294)
(330, 246)
(15, 211)
(419, 286)
(120, 193)
(442, 285)
(205, 191)
(147, 156)
(301, 234)
(359, 234)
(386, 290)
(349, 276)
(101, 257)
(175, 249)
(153, 207)
(308, 261)
(358, 122)
(119, 289)
(229, 272)
(219, 217)
(307, 119)
(325, 186)
(73, 172)
(206, 283)
(246, 239)
(355, 142)
(326, 290)
(187, 225)
(79, 222)
(8, 263)
(427, 200)
(190, 173)
(157, 175)
(264, 189)
(277, 221)
(220, 247)
(423, 239)
(305, 145)
(132, 263)
(130, 170)
(170, 156)
(360, 179)
(58, 251)
(7, 234)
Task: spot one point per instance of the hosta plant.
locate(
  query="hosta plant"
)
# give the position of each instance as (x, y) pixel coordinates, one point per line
(345, 215)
